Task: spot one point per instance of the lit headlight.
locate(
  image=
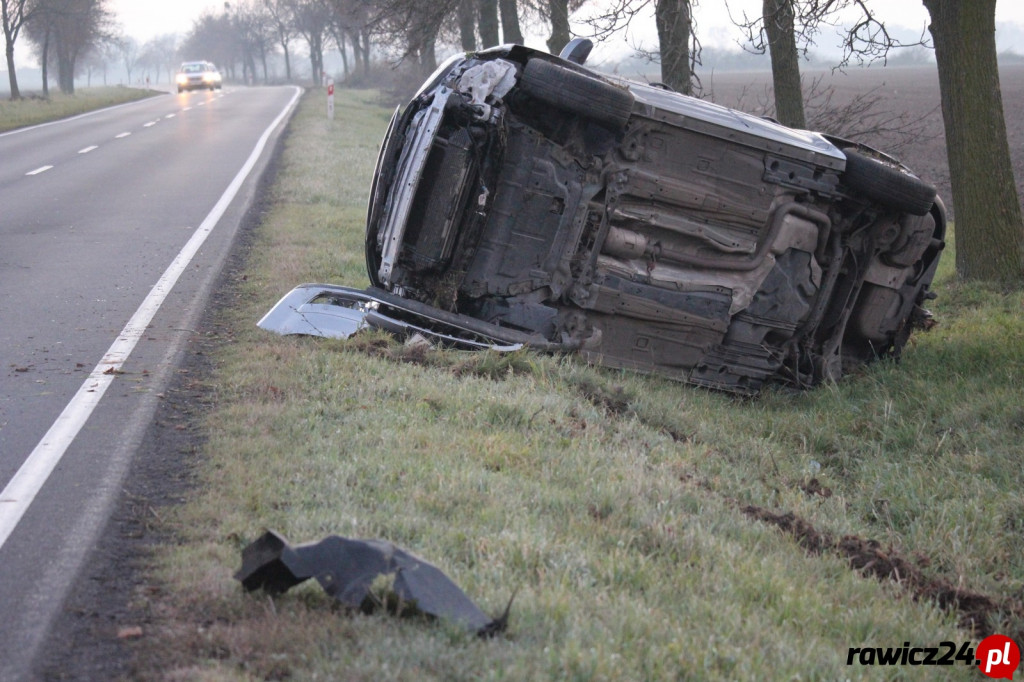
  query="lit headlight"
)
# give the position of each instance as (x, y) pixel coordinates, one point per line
(181, 79)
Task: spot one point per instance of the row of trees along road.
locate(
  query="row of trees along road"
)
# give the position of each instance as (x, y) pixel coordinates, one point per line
(989, 228)
(62, 31)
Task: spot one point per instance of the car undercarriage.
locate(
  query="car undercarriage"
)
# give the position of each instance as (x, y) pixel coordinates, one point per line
(524, 199)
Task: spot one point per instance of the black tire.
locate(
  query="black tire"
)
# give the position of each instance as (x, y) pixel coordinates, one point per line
(887, 184)
(577, 93)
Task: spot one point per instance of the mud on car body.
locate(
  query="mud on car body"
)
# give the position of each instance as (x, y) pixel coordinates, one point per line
(520, 197)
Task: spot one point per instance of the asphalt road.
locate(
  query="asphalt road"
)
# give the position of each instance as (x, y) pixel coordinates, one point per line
(113, 229)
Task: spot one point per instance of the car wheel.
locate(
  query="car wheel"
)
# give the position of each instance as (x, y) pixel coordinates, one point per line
(577, 93)
(887, 184)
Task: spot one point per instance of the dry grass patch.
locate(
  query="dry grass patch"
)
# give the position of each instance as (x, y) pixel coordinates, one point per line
(33, 109)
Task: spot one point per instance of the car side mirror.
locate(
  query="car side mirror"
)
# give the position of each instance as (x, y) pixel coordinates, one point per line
(577, 50)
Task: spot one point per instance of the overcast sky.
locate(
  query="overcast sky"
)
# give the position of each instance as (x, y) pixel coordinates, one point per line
(144, 19)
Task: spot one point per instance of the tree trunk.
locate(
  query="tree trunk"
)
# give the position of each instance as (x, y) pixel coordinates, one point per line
(366, 52)
(781, 33)
(510, 29)
(65, 68)
(44, 62)
(11, 75)
(559, 12)
(343, 49)
(989, 225)
(428, 56)
(673, 20)
(467, 25)
(487, 18)
(357, 55)
(316, 59)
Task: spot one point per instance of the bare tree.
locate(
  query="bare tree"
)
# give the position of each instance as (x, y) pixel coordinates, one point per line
(97, 62)
(15, 14)
(989, 225)
(312, 20)
(558, 15)
(212, 38)
(678, 48)
(786, 29)
(72, 28)
(349, 26)
(674, 20)
(487, 22)
(128, 50)
(281, 24)
(253, 28)
(779, 28)
(91, 62)
(511, 32)
(159, 54)
(467, 25)
(412, 28)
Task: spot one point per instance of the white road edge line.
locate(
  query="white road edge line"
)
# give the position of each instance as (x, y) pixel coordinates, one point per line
(37, 171)
(22, 489)
(18, 131)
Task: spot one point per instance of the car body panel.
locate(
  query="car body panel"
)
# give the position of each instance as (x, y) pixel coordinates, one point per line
(534, 201)
(338, 312)
(729, 124)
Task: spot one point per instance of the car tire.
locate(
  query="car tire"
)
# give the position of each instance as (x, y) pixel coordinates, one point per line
(887, 184)
(577, 93)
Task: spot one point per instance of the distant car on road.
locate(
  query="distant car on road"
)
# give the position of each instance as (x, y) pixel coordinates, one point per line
(198, 75)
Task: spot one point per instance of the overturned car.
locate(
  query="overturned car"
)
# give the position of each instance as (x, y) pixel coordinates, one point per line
(521, 198)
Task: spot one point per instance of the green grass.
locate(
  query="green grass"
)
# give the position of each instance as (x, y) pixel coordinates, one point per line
(612, 502)
(33, 109)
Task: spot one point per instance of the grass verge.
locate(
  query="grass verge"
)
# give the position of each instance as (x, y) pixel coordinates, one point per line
(652, 530)
(33, 109)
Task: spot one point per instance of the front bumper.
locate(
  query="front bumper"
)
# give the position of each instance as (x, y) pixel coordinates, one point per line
(336, 312)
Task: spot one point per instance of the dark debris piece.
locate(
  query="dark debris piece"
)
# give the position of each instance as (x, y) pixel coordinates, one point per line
(347, 569)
